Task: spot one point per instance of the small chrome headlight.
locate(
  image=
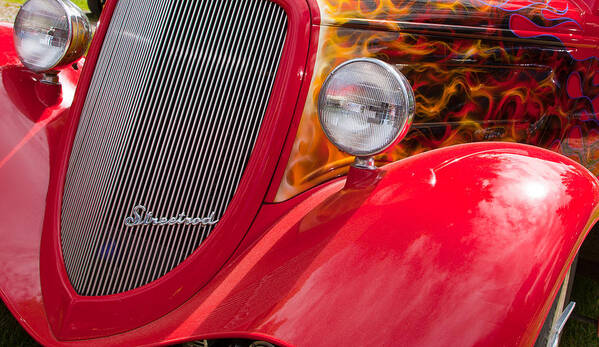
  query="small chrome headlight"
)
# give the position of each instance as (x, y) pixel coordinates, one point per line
(50, 34)
(365, 106)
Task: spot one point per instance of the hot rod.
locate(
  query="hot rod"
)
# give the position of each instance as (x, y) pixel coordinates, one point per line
(297, 172)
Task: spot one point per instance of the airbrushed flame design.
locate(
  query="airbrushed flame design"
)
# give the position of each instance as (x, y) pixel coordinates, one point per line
(480, 70)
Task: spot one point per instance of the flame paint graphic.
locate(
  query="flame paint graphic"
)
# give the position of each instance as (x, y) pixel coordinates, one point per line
(480, 71)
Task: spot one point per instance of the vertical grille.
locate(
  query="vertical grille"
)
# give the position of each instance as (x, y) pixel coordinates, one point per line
(170, 120)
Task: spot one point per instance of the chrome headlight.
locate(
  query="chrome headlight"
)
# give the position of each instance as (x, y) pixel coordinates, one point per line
(50, 34)
(365, 106)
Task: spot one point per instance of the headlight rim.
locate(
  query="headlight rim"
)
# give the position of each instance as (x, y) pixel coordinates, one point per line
(408, 97)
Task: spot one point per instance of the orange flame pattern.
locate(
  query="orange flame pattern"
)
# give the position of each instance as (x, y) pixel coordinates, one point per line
(474, 79)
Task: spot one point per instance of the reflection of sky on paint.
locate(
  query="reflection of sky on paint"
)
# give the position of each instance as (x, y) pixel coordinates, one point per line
(408, 278)
(510, 194)
(25, 167)
(414, 276)
(503, 221)
(414, 269)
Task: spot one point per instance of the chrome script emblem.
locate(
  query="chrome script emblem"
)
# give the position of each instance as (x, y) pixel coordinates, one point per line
(142, 217)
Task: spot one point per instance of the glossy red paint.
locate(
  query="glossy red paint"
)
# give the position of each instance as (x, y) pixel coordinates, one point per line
(30, 112)
(471, 268)
(460, 273)
(77, 317)
(290, 138)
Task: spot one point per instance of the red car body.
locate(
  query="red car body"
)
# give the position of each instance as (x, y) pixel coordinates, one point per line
(465, 244)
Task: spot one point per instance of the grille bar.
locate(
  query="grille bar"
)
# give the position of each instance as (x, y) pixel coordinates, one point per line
(170, 120)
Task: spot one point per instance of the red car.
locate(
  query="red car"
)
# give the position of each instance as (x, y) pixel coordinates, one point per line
(297, 172)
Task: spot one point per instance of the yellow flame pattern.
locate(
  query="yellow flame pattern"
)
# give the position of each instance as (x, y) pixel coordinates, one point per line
(473, 79)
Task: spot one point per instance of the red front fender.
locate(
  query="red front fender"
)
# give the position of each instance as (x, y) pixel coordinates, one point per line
(30, 113)
(461, 246)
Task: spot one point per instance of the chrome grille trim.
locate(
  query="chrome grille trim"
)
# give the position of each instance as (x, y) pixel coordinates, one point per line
(170, 120)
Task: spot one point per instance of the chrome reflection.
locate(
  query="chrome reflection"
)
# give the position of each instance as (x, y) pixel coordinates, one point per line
(142, 217)
(556, 330)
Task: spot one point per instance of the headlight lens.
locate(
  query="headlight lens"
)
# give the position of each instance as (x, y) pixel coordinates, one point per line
(365, 106)
(50, 34)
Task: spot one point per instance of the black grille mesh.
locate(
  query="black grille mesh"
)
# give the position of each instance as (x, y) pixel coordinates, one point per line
(170, 120)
